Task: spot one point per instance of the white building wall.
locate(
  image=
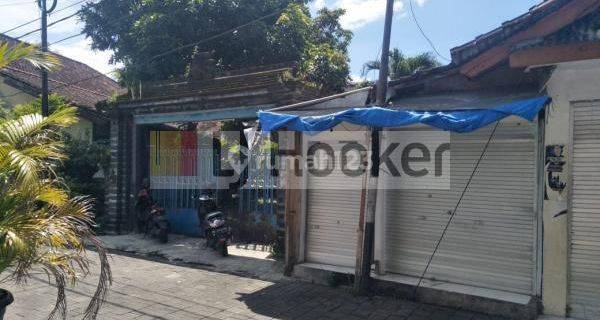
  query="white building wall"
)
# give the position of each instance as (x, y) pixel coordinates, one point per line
(82, 130)
(12, 96)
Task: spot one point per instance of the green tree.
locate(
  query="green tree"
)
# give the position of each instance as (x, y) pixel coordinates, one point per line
(401, 65)
(41, 224)
(55, 103)
(139, 32)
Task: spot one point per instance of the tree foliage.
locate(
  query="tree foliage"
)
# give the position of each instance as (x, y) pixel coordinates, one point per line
(55, 103)
(401, 65)
(139, 31)
(41, 224)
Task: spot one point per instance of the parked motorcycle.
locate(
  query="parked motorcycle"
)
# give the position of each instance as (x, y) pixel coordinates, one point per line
(214, 223)
(158, 225)
(217, 232)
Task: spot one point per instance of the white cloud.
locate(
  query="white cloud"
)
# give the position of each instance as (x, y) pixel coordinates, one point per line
(82, 52)
(18, 14)
(13, 16)
(360, 12)
(318, 4)
(355, 78)
(77, 49)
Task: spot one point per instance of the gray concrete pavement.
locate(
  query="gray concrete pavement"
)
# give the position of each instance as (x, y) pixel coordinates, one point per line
(144, 289)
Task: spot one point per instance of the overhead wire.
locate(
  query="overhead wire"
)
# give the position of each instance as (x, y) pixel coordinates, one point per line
(414, 17)
(49, 25)
(168, 51)
(83, 32)
(67, 38)
(445, 230)
(193, 44)
(37, 19)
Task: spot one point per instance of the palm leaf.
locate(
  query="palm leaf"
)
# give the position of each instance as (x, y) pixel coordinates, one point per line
(41, 224)
(401, 65)
(27, 52)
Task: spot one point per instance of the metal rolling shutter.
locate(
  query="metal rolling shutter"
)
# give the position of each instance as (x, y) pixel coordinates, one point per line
(585, 206)
(333, 204)
(490, 242)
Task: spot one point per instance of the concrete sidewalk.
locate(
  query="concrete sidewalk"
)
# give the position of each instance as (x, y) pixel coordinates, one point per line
(247, 260)
(144, 289)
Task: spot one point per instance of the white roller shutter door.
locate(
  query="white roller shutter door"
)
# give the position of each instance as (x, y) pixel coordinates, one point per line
(333, 205)
(490, 242)
(585, 207)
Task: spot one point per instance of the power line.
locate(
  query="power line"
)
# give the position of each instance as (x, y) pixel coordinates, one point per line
(57, 81)
(49, 25)
(414, 16)
(462, 195)
(83, 32)
(164, 53)
(215, 36)
(190, 44)
(67, 38)
(21, 25)
(37, 19)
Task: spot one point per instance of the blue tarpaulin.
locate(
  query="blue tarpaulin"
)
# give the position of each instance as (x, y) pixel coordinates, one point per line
(463, 120)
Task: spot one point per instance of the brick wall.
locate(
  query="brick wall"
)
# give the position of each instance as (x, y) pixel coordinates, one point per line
(119, 202)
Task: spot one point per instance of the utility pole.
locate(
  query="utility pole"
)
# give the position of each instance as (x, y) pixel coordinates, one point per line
(385, 55)
(45, 10)
(364, 258)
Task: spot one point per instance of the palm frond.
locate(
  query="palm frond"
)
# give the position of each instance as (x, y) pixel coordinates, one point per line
(370, 66)
(104, 281)
(41, 224)
(401, 65)
(27, 52)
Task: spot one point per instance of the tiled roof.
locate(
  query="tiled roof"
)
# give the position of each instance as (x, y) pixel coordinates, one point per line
(77, 82)
(583, 28)
(485, 41)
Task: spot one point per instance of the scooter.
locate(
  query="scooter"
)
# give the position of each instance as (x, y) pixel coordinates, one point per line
(214, 223)
(157, 225)
(217, 232)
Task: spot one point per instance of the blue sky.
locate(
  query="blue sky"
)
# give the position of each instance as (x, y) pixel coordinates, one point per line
(447, 22)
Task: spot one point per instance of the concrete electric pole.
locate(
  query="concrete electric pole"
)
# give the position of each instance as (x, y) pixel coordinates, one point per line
(45, 10)
(365, 255)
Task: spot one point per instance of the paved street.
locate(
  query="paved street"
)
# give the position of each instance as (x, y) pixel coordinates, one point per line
(145, 289)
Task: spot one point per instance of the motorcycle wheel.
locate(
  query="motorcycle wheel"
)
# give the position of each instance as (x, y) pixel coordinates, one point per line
(211, 242)
(163, 236)
(223, 249)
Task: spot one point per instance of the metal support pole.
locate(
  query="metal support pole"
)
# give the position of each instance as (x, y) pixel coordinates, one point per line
(369, 202)
(45, 10)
